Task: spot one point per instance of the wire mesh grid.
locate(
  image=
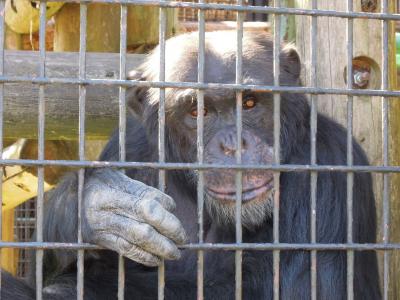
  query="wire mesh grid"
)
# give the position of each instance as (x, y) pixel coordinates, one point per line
(24, 226)
(191, 14)
(276, 246)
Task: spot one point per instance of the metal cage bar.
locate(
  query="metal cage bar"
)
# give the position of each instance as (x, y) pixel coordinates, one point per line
(277, 134)
(313, 154)
(122, 127)
(238, 152)
(81, 150)
(220, 246)
(200, 152)
(385, 147)
(161, 131)
(203, 86)
(350, 175)
(40, 171)
(196, 166)
(249, 8)
(2, 33)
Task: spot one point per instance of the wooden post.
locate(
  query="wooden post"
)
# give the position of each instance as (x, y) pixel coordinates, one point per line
(143, 25)
(102, 35)
(367, 111)
(102, 28)
(13, 40)
(394, 154)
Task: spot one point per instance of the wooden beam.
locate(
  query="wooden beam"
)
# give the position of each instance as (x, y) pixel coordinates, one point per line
(103, 22)
(103, 27)
(143, 25)
(21, 99)
(189, 26)
(331, 52)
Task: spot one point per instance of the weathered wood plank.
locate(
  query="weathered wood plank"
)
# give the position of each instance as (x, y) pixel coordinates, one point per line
(190, 26)
(367, 111)
(20, 100)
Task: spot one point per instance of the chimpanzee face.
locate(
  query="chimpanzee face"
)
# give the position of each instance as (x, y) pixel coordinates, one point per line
(220, 144)
(220, 113)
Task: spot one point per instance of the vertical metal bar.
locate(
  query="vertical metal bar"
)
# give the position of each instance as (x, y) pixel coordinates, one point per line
(385, 150)
(277, 133)
(122, 126)
(350, 175)
(238, 153)
(41, 136)
(200, 154)
(2, 30)
(161, 132)
(313, 175)
(81, 172)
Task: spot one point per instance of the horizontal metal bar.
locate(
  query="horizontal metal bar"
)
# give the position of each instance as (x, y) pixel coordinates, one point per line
(196, 166)
(196, 85)
(249, 8)
(286, 246)
(218, 246)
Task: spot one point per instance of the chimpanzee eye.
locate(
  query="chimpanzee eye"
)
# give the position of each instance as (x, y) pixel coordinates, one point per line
(194, 112)
(249, 102)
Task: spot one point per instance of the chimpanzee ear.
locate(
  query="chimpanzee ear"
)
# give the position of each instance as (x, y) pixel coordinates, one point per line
(136, 96)
(290, 61)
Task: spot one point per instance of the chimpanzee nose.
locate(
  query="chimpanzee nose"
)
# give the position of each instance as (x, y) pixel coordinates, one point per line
(228, 142)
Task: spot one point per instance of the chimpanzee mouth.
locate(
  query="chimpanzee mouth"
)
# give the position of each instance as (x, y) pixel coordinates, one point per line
(248, 193)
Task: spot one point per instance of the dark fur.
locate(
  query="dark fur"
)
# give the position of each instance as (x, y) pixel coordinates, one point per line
(141, 282)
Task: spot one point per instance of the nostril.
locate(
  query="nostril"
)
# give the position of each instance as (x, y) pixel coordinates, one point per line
(244, 144)
(228, 143)
(222, 147)
(228, 152)
(227, 148)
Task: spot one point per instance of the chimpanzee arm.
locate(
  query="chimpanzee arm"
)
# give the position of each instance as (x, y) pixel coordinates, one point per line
(59, 225)
(13, 288)
(63, 288)
(119, 214)
(61, 218)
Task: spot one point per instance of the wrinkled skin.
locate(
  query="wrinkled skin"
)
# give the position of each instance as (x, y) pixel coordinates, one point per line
(138, 222)
(127, 214)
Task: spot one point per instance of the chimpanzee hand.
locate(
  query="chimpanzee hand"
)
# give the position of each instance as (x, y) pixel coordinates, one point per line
(131, 218)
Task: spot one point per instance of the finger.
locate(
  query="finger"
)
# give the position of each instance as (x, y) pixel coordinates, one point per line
(116, 180)
(129, 250)
(143, 235)
(166, 201)
(142, 191)
(162, 220)
(146, 211)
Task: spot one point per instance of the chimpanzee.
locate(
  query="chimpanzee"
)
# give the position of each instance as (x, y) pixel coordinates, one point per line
(126, 214)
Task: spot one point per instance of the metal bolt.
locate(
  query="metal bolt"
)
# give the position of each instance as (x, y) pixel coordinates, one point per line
(361, 78)
(110, 74)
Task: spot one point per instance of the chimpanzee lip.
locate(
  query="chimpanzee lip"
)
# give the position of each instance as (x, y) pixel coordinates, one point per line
(248, 194)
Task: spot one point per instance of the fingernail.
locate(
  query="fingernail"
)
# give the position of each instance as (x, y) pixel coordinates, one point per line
(184, 238)
(177, 255)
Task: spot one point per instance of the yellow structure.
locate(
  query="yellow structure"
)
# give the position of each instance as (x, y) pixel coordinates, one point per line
(22, 16)
(18, 186)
